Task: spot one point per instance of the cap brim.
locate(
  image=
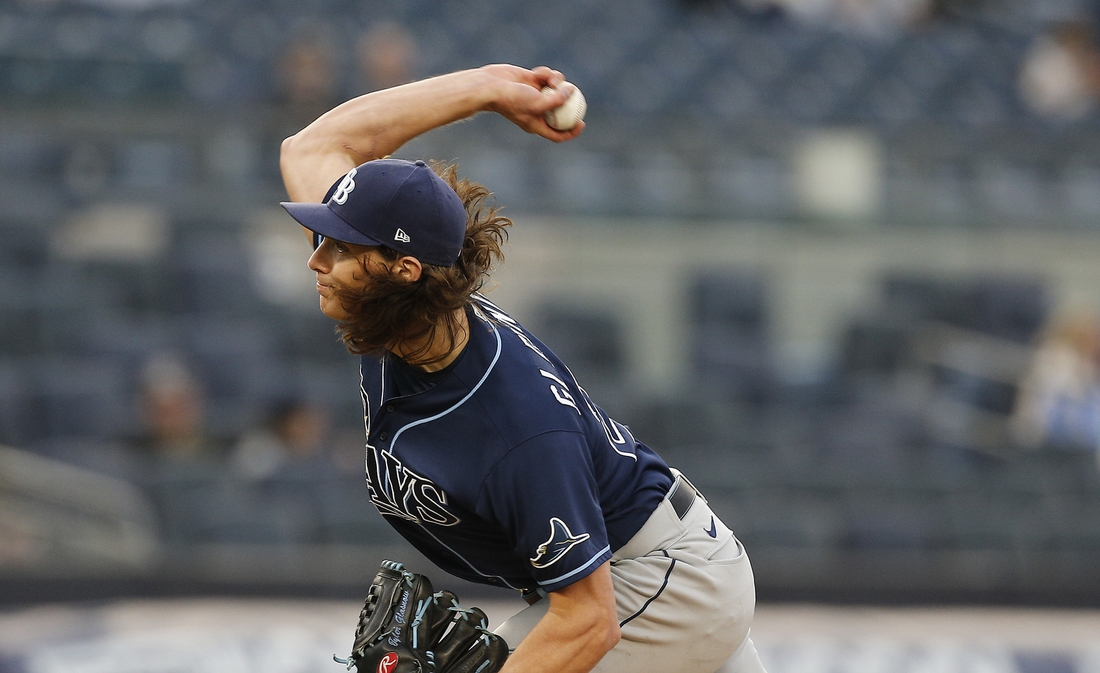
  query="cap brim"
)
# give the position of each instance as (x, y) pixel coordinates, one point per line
(319, 218)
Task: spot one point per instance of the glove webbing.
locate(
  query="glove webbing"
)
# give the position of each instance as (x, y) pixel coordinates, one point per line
(369, 606)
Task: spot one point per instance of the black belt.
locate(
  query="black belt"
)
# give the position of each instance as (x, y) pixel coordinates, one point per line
(681, 495)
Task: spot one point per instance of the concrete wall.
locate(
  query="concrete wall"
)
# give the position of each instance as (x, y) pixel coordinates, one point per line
(818, 278)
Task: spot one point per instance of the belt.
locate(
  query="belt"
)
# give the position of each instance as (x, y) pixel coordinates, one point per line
(681, 495)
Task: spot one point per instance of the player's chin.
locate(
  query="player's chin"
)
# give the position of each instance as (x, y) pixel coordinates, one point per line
(332, 308)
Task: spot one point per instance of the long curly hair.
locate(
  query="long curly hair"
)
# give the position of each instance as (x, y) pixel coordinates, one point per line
(389, 311)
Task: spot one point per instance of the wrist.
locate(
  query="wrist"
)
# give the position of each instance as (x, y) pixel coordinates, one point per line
(489, 81)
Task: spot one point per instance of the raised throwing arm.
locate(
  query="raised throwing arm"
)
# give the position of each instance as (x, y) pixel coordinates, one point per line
(376, 124)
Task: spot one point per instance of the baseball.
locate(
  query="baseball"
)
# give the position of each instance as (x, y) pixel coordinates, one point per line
(566, 115)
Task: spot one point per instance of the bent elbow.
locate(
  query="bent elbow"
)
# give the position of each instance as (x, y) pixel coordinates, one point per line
(296, 170)
(286, 150)
(606, 631)
(600, 632)
(614, 634)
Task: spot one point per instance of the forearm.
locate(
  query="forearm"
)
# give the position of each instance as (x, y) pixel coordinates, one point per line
(580, 627)
(376, 124)
(559, 644)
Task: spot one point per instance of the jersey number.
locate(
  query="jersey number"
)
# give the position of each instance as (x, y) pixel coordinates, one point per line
(617, 435)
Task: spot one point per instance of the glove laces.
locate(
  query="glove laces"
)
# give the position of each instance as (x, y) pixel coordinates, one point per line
(421, 608)
(482, 628)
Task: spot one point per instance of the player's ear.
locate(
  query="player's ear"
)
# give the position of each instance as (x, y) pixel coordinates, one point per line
(407, 268)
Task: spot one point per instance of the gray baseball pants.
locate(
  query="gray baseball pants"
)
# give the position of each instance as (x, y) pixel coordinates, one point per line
(685, 598)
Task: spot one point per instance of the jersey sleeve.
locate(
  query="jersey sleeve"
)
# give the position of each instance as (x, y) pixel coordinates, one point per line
(544, 494)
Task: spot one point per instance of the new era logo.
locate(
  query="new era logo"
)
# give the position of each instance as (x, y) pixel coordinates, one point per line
(401, 236)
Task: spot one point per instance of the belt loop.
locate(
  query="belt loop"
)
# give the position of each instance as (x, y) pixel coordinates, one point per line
(681, 496)
(698, 493)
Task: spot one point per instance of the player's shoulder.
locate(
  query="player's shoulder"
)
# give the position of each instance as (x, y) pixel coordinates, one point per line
(521, 353)
(528, 391)
(516, 345)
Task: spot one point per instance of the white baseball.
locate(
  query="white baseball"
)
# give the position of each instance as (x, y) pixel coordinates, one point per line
(569, 113)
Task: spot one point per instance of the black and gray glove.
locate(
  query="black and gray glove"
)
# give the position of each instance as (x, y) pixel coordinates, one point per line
(406, 628)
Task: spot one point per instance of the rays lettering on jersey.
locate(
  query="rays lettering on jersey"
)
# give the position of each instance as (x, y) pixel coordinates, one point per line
(622, 442)
(398, 491)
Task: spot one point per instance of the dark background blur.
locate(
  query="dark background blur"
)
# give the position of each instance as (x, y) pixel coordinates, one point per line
(849, 270)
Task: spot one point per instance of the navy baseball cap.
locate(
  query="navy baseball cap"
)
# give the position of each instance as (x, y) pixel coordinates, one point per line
(402, 205)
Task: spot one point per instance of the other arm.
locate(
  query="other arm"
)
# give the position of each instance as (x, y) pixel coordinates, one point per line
(578, 630)
(376, 124)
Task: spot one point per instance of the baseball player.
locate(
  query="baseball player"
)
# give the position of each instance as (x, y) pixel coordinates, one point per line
(482, 449)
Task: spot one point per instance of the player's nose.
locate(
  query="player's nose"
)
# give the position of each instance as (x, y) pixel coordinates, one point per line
(318, 261)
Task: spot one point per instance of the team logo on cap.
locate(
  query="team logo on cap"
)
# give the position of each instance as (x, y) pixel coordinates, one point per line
(401, 236)
(345, 188)
(561, 541)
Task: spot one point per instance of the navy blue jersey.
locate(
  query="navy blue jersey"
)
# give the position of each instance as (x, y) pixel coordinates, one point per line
(503, 471)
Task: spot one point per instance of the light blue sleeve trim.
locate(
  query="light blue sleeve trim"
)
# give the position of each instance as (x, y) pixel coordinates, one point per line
(458, 404)
(581, 569)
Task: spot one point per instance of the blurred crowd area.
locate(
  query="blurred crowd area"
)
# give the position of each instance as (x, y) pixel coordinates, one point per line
(173, 396)
(964, 112)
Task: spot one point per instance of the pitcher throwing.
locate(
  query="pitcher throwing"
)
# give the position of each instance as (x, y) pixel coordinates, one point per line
(482, 449)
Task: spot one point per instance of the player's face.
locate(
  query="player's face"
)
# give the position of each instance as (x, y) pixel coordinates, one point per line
(339, 264)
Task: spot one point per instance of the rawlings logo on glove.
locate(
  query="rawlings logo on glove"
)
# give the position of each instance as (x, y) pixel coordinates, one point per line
(388, 663)
(406, 628)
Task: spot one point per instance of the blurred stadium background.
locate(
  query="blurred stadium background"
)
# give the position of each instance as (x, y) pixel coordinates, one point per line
(837, 260)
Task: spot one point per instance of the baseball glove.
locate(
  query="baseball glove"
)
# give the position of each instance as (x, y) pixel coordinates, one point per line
(406, 628)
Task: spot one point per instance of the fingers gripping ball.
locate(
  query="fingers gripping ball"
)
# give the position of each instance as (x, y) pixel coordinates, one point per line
(406, 628)
(568, 114)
